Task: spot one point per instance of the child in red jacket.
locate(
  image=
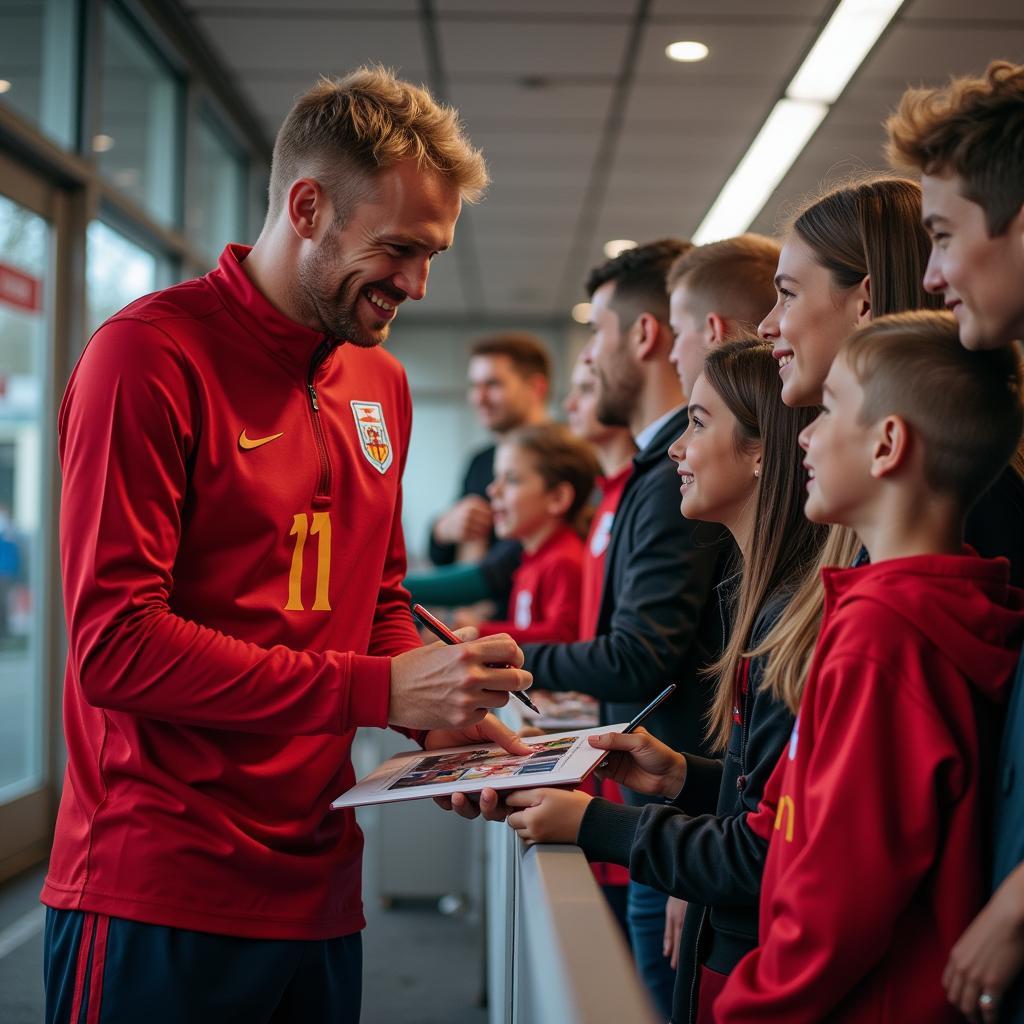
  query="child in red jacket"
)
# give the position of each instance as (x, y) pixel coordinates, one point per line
(543, 479)
(875, 813)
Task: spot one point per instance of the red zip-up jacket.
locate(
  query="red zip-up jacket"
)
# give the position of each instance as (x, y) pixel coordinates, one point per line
(232, 556)
(877, 857)
(545, 599)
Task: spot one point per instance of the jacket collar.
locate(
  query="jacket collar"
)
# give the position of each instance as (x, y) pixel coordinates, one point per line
(291, 344)
(657, 447)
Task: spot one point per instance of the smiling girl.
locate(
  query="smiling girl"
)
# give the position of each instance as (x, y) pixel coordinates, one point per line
(739, 465)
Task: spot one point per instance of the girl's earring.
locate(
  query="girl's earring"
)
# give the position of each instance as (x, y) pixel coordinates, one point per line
(757, 472)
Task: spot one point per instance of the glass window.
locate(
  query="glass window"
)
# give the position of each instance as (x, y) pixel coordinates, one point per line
(118, 271)
(137, 145)
(38, 64)
(218, 204)
(24, 355)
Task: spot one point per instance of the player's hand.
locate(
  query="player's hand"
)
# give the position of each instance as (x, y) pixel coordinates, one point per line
(453, 687)
(641, 763)
(675, 911)
(470, 518)
(490, 730)
(547, 815)
(990, 954)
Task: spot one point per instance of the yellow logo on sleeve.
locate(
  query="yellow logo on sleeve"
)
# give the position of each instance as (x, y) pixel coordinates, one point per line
(785, 814)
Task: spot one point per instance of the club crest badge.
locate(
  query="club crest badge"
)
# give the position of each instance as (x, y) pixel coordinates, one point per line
(373, 434)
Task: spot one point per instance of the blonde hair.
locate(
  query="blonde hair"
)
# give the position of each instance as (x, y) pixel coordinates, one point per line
(734, 278)
(790, 644)
(345, 130)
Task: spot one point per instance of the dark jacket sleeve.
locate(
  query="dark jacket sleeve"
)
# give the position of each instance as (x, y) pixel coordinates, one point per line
(700, 792)
(479, 473)
(670, 567)
(995, 525)
(702, 860)
(711, 859)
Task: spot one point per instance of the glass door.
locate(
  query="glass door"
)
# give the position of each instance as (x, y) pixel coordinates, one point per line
(27, 258)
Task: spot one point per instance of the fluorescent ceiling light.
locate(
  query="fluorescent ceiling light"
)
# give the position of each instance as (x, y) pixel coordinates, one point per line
(851, 32)
(780, 140)
(686, 51)
(617, 246)
(581, 312)
(5, 86)
(102, 143)
(843, 44)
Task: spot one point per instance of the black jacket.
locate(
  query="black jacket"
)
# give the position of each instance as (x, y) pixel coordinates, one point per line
(699, 847)
(659, 621)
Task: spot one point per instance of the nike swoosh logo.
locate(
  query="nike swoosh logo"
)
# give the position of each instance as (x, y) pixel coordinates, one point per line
(246, 444)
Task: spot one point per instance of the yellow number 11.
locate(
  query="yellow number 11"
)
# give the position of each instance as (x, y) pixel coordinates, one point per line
(300, 528)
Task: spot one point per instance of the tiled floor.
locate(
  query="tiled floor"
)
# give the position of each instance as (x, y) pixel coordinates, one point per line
(420, 966)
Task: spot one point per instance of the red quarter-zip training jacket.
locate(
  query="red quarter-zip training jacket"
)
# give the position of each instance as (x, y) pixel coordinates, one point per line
(875, 815)
(232, 556)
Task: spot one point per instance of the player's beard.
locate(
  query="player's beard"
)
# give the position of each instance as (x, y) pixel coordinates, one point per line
(335, 309)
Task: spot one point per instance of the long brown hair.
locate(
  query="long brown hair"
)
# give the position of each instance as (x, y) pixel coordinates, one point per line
(872, 227)
(868, 227)
(784, 544)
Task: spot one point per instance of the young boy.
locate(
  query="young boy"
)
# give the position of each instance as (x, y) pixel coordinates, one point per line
(875, 814)
(968, 140)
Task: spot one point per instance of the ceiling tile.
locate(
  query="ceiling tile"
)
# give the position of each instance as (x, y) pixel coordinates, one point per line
(531, 48)
(314, 45)
(302, 8)
(577, 9)
(483, 105)
(764, 49)
(740, 9)
(927, 53)
(957, 10)
(700, 102)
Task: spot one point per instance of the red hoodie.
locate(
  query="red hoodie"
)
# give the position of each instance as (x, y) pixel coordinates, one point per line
(232, 556)
(875, 814)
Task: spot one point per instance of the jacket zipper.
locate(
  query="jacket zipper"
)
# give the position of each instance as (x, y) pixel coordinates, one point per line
(323, 486)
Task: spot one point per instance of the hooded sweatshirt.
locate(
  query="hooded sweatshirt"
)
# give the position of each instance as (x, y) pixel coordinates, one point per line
(876, 812)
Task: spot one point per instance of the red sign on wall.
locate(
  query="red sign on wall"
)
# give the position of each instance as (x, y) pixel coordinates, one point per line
(19, 289)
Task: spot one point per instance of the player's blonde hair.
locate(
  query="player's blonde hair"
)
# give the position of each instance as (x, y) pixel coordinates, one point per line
(345, 130)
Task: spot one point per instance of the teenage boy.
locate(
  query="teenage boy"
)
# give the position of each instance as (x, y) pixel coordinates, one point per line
(967, 139)
(874, 814)
(718, 292)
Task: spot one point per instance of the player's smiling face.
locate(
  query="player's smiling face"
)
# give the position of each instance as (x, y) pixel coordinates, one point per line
(363, 269)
